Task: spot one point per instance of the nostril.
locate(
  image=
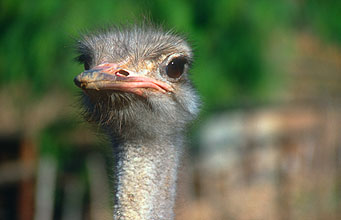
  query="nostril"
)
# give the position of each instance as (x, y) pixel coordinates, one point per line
(123, 72)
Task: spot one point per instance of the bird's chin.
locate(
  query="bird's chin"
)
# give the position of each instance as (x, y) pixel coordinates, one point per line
(118, 112)
(112, 98)
(95, 96)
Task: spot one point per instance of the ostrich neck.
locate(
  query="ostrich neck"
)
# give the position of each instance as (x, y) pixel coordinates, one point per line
(145, 184)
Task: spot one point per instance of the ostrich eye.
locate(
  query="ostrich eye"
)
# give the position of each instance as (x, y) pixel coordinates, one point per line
(175, 67)
(86, 66)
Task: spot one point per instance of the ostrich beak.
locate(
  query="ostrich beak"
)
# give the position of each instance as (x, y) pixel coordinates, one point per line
(109, 76)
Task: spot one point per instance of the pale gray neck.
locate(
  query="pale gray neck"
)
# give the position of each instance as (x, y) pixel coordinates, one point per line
(145, 186)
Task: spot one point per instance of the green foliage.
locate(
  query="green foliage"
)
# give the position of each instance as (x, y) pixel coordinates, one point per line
(324, 18)
(229, 38)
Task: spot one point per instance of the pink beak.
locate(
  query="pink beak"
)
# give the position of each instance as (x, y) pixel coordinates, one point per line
(109, 76)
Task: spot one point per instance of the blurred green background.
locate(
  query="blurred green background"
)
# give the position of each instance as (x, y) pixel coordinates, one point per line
(229, 38)
(243, 52)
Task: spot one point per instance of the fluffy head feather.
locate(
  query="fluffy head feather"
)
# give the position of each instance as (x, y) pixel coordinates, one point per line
(145, 51)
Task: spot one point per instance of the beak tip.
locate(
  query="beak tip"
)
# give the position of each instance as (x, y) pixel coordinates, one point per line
(78, 82)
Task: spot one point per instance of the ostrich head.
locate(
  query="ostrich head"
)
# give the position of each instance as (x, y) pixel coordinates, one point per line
(135, 83)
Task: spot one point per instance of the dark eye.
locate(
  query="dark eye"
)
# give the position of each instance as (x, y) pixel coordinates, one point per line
(86, 66)
(175, 67)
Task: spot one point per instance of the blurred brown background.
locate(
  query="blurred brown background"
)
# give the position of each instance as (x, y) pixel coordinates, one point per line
(266, 145)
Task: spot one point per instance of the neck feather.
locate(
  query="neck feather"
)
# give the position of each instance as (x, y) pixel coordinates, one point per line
(145, 180)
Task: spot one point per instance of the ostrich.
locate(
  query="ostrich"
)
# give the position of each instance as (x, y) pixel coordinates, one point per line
(136, 87)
